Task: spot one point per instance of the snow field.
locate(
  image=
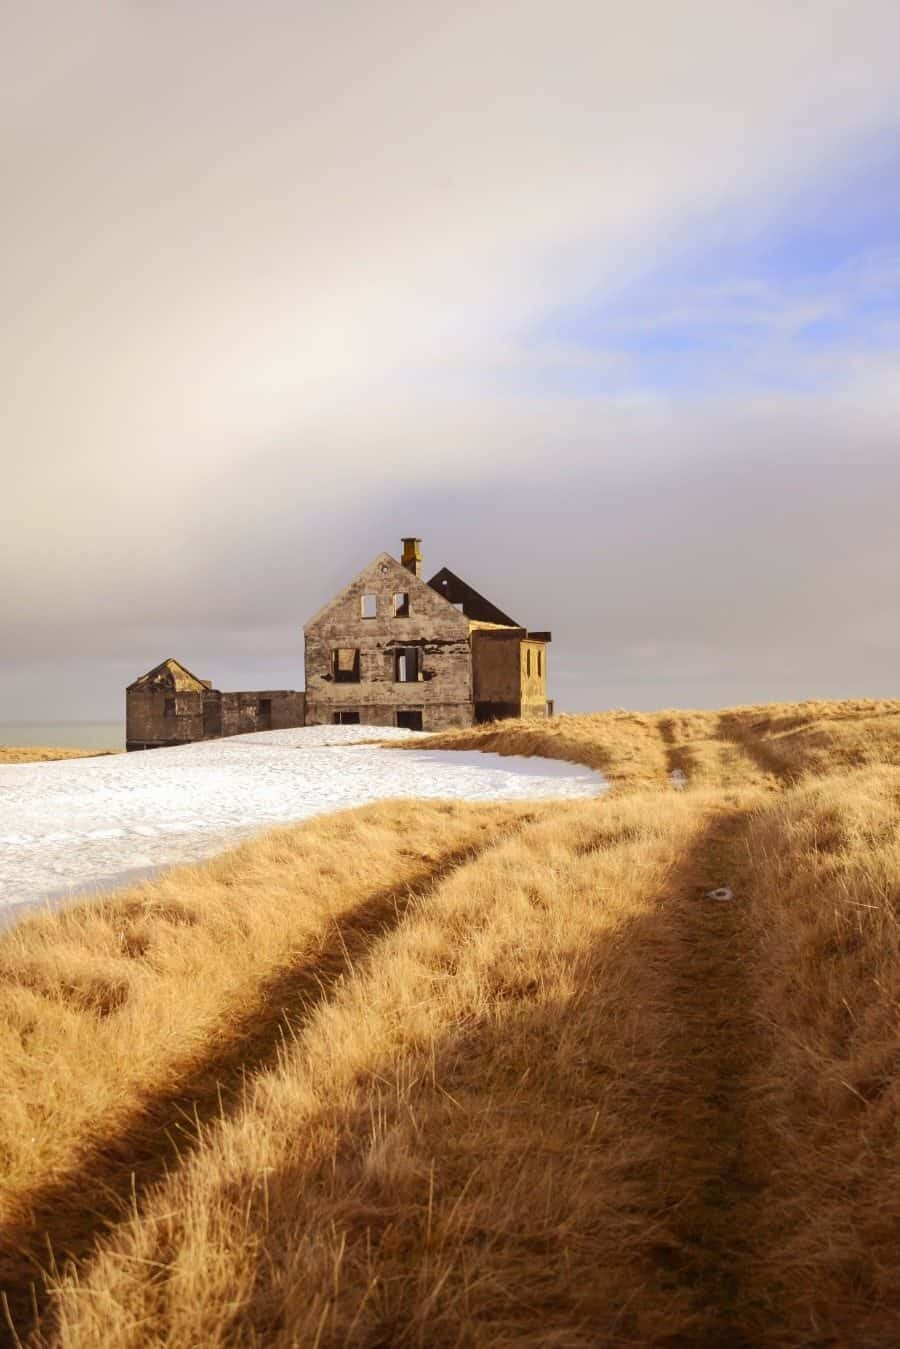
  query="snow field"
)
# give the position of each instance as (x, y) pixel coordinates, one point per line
(83, 824)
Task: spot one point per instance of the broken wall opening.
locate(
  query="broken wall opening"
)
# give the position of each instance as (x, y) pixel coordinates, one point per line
(345, 664)
(408, 665)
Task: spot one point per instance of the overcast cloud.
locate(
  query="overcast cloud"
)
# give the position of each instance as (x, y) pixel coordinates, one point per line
(602, 301)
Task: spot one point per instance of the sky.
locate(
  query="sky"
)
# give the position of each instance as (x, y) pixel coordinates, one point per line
(601, 301)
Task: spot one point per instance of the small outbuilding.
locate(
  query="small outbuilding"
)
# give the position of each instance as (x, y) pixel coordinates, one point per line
(170, 706)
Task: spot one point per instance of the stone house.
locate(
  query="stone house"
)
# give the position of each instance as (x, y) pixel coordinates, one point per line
(395, 650)
(390, 650)
(170, 706)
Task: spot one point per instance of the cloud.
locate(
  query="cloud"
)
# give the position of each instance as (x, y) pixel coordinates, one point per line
(273, 281)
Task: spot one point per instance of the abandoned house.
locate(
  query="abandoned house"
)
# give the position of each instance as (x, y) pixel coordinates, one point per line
(390, 650)
(395, 650)
(170, 706)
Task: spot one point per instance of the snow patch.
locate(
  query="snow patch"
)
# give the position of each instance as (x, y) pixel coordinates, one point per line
(74, 825)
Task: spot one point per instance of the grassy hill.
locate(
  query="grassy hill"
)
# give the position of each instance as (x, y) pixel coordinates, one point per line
(435, 1074)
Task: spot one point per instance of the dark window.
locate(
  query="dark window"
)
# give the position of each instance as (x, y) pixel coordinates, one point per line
(408, 664)
(410, 720)
(540, 664)
(345, 664)
(528, 662)
(265, 707)
(170, 707)
(401, 605)
(368, 606)
(346, 718)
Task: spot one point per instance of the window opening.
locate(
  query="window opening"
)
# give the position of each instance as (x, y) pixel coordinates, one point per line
(401, 605)
(408, 665)
(540, 664)
(368, 606)
(348, 718)
(528, 662)
(410, 719)
(265, 707)
(345, 664)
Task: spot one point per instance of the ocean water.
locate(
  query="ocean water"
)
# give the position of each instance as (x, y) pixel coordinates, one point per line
(64, 734)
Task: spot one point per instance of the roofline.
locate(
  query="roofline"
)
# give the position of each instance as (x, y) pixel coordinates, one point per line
(377, 558)
(169, 660)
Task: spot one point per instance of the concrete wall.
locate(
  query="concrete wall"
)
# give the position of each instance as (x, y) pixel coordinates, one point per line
(509, 673)
(146, 722)
(246, 712)
(204, 716)
(443, 691)
(495, 672)
(533, 675)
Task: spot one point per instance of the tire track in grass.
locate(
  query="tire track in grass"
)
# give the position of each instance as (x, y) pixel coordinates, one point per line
(68, 1216)
(764, 758)
(701, 1097)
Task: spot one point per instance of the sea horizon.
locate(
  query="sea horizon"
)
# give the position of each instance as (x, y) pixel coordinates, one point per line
(64, 734)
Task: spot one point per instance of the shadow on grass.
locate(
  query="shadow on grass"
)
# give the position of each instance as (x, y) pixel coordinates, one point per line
(69, 1216)
(766, 759)
(569, 1171)
(679, 757)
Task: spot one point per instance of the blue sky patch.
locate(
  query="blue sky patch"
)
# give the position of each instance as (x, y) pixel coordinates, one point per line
(792, 305)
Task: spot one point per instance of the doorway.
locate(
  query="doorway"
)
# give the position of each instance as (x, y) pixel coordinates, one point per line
(212, 719)
(411, 719)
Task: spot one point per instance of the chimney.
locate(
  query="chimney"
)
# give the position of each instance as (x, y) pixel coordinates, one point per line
(412, 556)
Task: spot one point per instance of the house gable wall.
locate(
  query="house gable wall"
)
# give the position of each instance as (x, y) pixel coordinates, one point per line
(443, 691)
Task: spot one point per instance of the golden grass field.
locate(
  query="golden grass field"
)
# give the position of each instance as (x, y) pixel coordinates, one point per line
(44, 754)
(436, 1074)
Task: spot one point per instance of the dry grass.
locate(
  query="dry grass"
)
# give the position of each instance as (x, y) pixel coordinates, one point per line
(824, 1122)
(434, 1075)
(766, 745)
(625, 746)
(109, 1006)
(45, 754)
(453, 1151)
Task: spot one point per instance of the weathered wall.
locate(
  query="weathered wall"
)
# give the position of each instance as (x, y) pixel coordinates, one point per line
(205, 716)
(288, 709)
(444, 690)
(533, 675)
(146, 722)
(509, 674)
(495, 672)
(243, 713)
